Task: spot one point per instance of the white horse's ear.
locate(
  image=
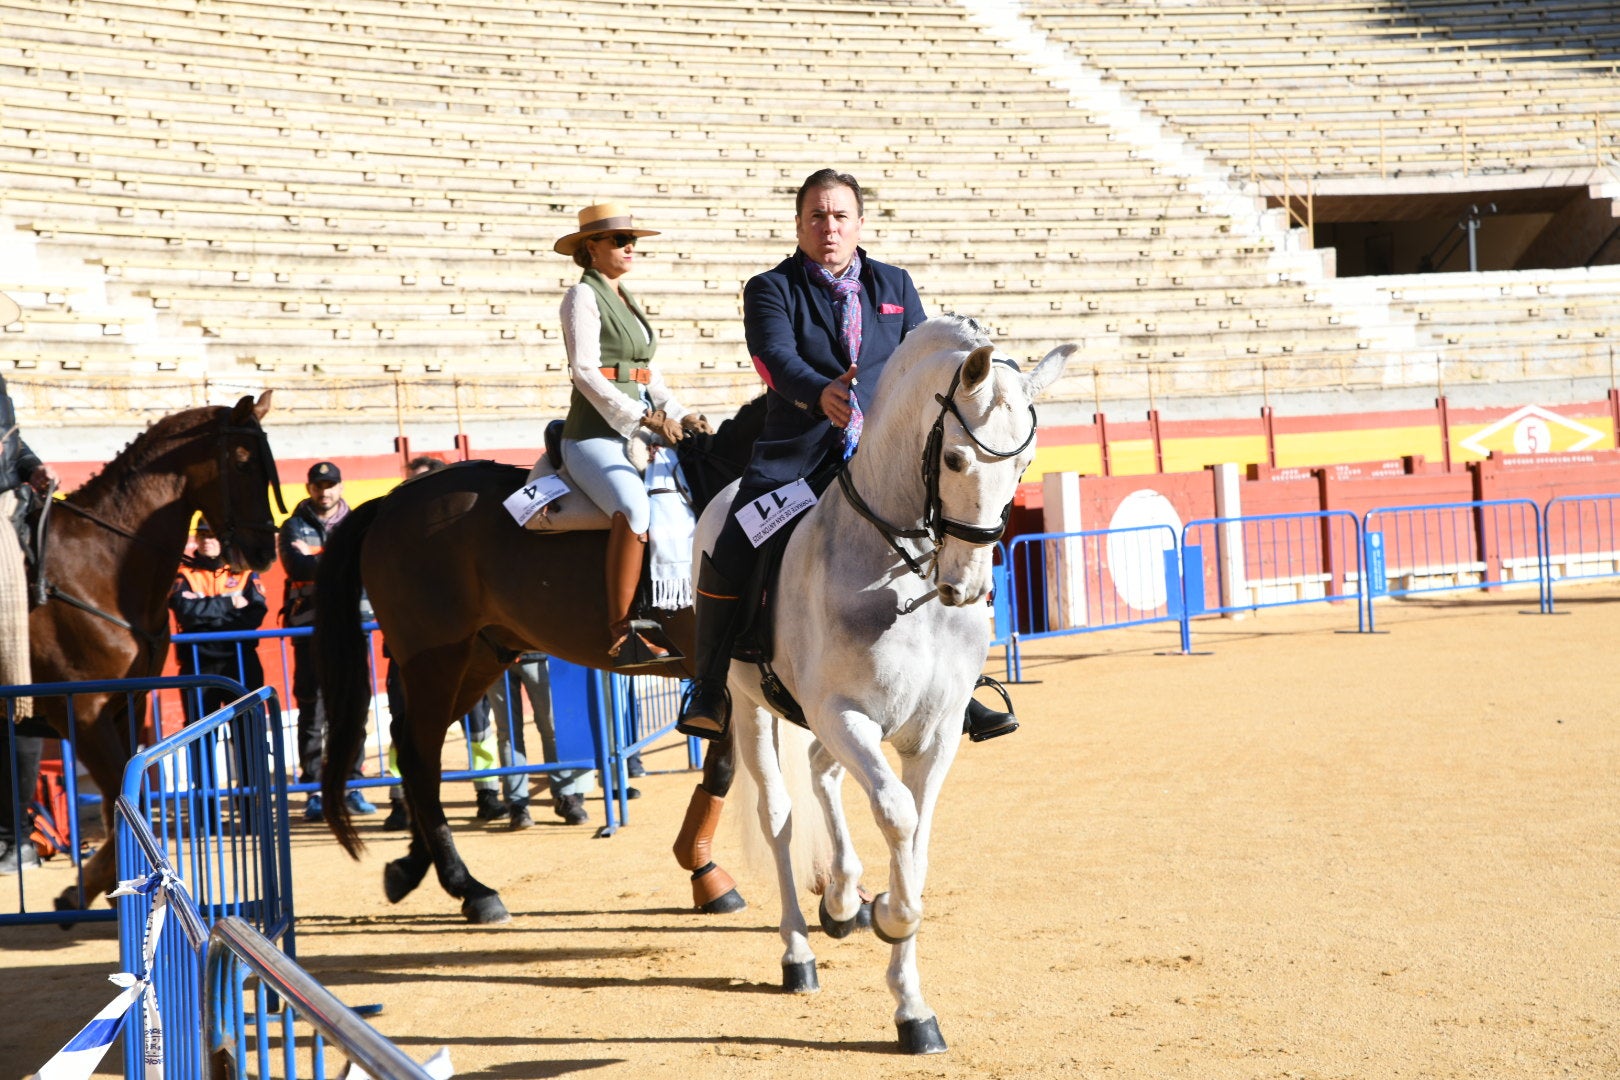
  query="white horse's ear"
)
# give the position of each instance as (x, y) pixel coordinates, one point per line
(976, 368)
(1048, 370)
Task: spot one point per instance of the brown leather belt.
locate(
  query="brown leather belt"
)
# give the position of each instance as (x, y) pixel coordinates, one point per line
(620, 373)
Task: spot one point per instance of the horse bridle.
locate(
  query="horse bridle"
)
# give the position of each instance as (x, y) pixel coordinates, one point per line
(935, 525)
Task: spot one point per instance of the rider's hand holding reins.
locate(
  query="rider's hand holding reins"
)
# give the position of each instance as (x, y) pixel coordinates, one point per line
(668, 430)
(834, 400)
(696, 424)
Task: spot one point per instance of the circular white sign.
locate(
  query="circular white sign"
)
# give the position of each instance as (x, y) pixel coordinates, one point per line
(1136, 559)
(1532, 436)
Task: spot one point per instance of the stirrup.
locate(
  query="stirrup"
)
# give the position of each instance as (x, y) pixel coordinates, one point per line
(990, 724)
(684, 724)
(644, 642)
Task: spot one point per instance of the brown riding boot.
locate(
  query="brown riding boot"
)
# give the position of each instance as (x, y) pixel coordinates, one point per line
(625, 552)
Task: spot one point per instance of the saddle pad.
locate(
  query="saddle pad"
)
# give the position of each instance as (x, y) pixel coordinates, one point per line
(573, 512)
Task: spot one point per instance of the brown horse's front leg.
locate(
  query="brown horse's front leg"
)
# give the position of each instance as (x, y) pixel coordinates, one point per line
(431, 842)
(103, 752)
(713, 890)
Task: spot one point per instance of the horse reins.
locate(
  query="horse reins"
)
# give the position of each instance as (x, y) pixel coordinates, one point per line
(935, 525)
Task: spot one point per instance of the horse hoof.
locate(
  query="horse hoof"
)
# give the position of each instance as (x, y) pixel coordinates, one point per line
(800, 978)
(878, 930)
(397, 882)
(842, 928)
(67, 901)
(724, 905)
(921, 1036)
(485, 910)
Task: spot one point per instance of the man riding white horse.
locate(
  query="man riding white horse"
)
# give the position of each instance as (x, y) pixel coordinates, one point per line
(824, 315)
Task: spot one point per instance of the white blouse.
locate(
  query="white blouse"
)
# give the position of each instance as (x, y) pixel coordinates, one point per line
(582, 336)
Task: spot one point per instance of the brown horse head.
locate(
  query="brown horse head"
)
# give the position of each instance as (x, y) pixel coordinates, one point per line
(232, 490)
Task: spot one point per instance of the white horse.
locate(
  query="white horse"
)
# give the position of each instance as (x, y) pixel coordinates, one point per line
(881, 631)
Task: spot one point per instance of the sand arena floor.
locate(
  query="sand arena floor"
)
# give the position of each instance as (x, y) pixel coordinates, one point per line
(1306, 854)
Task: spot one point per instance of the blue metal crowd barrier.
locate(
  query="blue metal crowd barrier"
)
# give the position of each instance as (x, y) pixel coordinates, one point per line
(1445, 547)
(1107, 579)
(211, 799)
(137, 693)
(1270, 560)
(1583, 539)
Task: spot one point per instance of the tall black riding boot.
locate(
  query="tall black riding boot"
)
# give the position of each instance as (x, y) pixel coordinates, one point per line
(706, 710)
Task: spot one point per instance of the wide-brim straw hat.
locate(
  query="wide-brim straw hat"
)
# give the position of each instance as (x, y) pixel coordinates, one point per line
(607, 217)
(9, 311)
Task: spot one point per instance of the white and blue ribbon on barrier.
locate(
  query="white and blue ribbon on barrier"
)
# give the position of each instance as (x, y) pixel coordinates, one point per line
(79, 1058)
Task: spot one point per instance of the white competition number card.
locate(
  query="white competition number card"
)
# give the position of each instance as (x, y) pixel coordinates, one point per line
(530, 499)
(763, 517)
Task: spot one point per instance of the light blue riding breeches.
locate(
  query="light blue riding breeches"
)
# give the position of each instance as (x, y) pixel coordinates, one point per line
(605, 475)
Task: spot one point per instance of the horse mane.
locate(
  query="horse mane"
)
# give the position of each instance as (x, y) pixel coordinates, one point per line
(134, 460)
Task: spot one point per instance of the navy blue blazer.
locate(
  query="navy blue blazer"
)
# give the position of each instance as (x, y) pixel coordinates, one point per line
(792, 334)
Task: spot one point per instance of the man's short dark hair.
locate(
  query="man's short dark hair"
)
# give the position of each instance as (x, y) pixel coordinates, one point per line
(826, 178)
(425, 463)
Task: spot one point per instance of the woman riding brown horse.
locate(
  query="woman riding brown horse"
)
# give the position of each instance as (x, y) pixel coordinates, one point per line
(459, 591)
(115, 545)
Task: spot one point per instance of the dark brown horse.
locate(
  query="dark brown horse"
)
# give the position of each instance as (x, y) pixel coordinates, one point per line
(115, 546)
(458, 590)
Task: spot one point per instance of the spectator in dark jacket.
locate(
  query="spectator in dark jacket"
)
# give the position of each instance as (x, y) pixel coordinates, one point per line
(302, 539)
(210, 597)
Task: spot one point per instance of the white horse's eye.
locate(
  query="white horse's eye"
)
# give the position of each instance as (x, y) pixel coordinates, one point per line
(956, 460)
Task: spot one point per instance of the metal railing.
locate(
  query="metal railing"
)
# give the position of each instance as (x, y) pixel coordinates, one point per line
(1582, 539)
(1446, 547)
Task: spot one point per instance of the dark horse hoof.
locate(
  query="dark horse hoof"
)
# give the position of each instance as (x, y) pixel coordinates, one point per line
(800, 978)
(399, 879)
(485, 910)
(69, 901)
(722, 905)
(921, 1036)
(835, 928)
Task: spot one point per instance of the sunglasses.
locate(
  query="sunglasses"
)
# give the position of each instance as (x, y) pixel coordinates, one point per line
(619, 240)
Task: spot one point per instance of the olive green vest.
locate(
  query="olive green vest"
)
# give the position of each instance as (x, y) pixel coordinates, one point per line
(623, 345)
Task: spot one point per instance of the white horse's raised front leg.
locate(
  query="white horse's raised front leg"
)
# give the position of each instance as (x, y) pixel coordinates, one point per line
(758, 746)
(843, 908)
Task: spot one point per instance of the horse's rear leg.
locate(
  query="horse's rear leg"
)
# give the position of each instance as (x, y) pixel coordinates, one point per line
(429, 695)
(756, 733)
(713, 890)
(103, 753)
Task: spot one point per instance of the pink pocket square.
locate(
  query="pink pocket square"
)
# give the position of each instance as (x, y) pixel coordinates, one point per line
(891, 309)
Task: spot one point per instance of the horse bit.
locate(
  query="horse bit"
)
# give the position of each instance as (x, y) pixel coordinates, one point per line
(935, 525)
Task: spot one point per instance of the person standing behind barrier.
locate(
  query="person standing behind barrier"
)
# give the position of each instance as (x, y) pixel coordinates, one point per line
(300, 543)
(569, 787)
(210, 597)
(18, 465)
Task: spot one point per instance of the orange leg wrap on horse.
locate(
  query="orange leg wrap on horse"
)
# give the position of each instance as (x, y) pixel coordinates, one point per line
(697, 831)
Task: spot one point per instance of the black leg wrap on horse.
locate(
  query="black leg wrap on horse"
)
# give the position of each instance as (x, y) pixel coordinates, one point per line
(800, 978)
(921, 1036)
(983, 722)
(706, 709)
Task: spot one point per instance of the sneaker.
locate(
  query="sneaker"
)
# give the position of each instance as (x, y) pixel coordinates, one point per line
(397, 820)
(634, 767)
(491, 807)
(518, 817)
(18, 856)
(571, 808)
(358, 803)
(313, 810)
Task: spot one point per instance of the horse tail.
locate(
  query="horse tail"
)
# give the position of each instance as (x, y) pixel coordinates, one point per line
(810, 850)
(343, 660)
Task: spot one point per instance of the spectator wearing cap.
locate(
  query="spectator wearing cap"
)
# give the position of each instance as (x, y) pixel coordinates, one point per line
(301, 541)
(209, 596)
